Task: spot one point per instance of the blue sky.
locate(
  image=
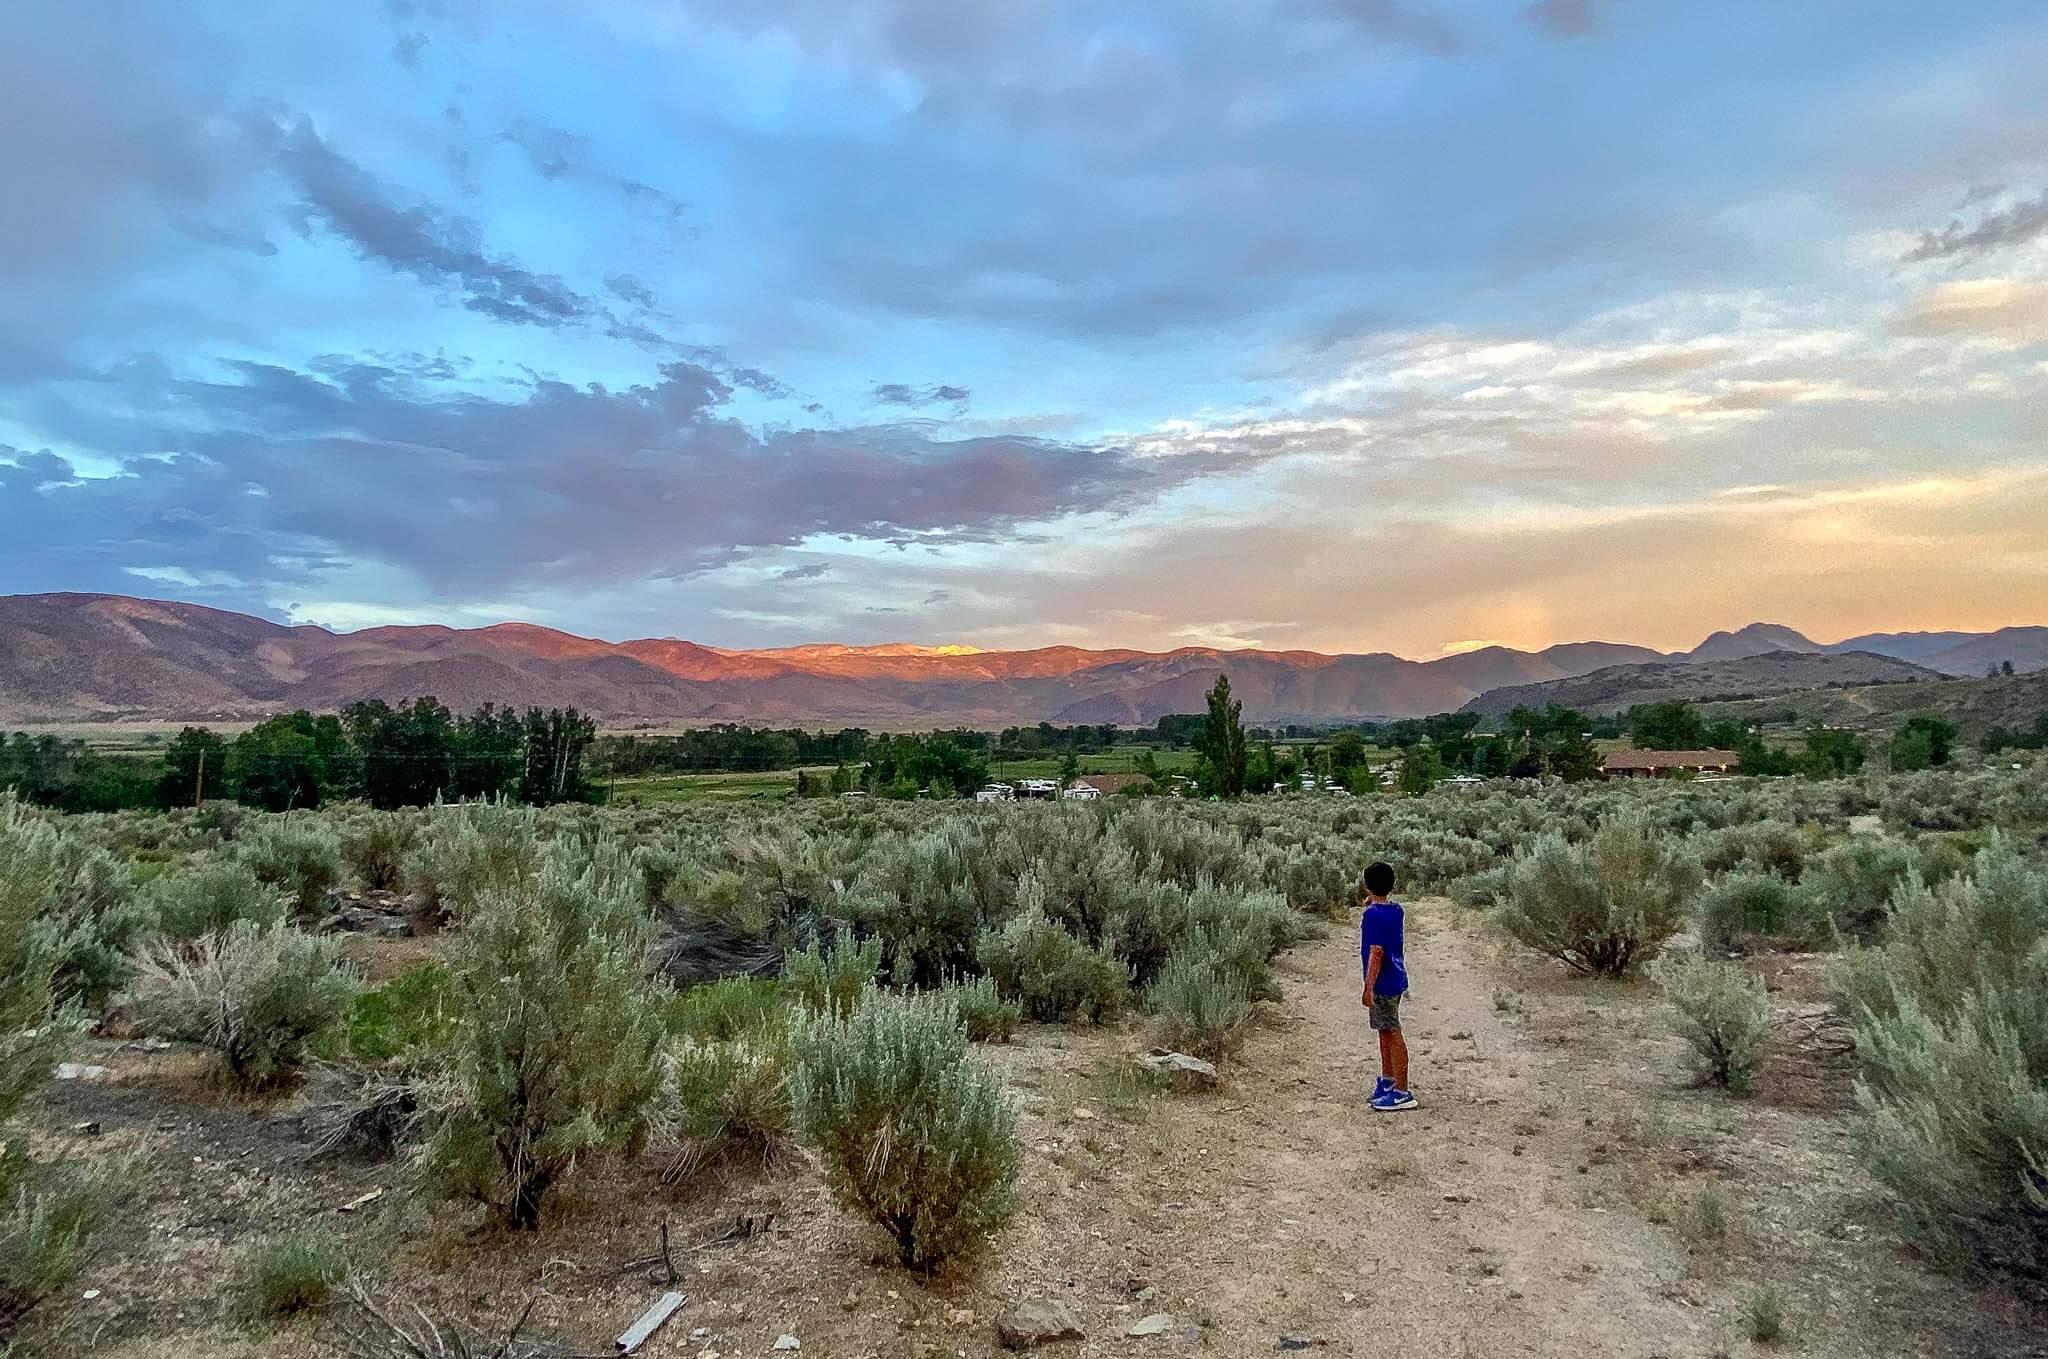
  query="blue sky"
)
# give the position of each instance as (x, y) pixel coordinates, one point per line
(1346, 324)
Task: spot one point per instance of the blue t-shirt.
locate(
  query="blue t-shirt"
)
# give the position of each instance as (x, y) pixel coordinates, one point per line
(1381, 925)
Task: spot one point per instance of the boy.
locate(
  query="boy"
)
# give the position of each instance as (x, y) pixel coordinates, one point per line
(1386, 982)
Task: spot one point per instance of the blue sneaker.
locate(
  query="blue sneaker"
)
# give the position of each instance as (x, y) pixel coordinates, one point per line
(1379, 1088)
(1393, 1102)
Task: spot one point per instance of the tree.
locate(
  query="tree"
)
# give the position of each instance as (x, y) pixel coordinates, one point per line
(1222, 741)
(195, 768)
(1347, 754)
(1421, 767)
(2005, 667)
(1832, 751)
(287, 761)
(405, 752)
(1922, 743)
(1070, 768)
(555, 741)
(1666, 726)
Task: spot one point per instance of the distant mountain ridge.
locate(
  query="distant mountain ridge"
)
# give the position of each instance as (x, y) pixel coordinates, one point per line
(90, 657)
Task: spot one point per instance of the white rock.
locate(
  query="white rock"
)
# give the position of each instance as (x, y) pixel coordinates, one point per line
(788, 1342)
(1159, 1323)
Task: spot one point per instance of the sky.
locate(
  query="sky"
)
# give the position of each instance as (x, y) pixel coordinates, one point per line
(1346, 325)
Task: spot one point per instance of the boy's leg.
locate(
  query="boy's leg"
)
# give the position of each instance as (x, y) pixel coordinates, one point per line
(1394, 1058)
(1387, 1054)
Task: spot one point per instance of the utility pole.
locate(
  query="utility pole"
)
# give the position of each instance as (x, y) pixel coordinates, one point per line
(199, 780)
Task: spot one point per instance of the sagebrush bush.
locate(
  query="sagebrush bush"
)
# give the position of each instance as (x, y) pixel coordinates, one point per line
(253, 994)
(1850, 886)
(1605, 907)
(1200, 1003)
(1052, 974)
(553, 1054)
(1749, 906)
(724, 1104)
(36, 1031)
(469, 852)
(209, 899)
(831, 977)
(49, 1217)
(1723, 1012)
(375, 846)
(297, 856)
(986, 1014)
(915, 1134)
(1951, 1016)
(294, 1272)
(82, 902)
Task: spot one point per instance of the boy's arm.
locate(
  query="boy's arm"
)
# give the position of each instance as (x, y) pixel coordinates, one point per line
(1372, 972)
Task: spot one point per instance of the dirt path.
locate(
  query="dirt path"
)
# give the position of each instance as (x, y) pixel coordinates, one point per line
(1461, 1227)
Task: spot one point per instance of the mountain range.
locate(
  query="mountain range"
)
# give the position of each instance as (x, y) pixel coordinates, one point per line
(100, 658)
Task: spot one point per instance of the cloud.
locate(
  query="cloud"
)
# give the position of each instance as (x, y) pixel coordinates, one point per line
(627, 288)
(1565, 18)
(2017, 224)
(1983, 306)
(418, 239)
(804, 571)
(264, 475)
(903, 394)
(1393, 21)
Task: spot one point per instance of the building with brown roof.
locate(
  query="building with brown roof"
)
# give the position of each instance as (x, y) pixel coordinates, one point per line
(1106, 784)
(1655, 764)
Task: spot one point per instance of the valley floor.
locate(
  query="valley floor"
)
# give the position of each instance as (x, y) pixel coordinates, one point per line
(1544, 1200)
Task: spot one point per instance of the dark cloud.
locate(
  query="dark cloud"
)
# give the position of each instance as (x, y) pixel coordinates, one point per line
(2015, 225)
(418, 239)
(903, 394)
(552, 152)
(1417, 26)
(629, 289)
(1565, 18)
(807, 571)
(275, 477)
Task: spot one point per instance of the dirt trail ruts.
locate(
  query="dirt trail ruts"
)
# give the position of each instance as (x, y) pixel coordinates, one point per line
(1457, 1227)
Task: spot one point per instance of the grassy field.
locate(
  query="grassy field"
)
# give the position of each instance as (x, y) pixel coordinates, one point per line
(740, 787)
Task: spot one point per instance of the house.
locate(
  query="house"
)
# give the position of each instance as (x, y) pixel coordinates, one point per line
(996, 792)
(1654, 764)
(1105, 784)
(1081, 792)
(1045, 788)
(1461, 781)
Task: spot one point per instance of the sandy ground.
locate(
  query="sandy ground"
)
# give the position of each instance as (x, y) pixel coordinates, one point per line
(1543, 1200)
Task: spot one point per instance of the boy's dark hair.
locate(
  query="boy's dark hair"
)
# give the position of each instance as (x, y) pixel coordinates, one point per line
(1378, 880)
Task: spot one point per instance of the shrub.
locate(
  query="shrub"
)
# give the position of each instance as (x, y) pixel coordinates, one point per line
(734, 1007)
(82, 899)
(1765, 1312)
(1604, 907)
(1725, 1014)
(830, 977)
(298, 858)
(253, 994)
(295, 1272)
(915, 1135)
(210, 899)
(375, 848)
(1850, 885)
(471, 852)
(45, 1231)
(985, 1014)
(1951, 1016)
(1748, 905)
(1201, 1004)
(1052, 974)
(35, 1031)
(724, 1104)
(553, 1054)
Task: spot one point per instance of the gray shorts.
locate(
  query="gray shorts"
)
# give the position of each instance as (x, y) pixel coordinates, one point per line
(1385, 1015)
